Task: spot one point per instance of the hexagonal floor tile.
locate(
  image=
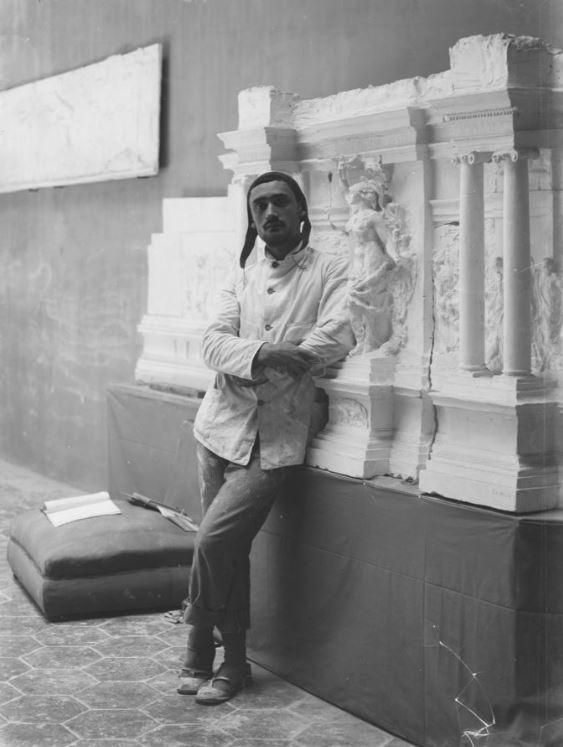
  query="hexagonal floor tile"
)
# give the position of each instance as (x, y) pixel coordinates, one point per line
(11, 645)
(130, 645)
(75, 635)
(10, 666)
(268, 691)
(63, 657)
(41, 709)
(166, 682)
(7, 692)
(171, 658)
(261, 724)
(111, 724)
(22, 625)
(174, 735)
(118, 695)
(313, 708)
(17, 606)
(133, 668)
(53, 681)
(182, 709)
(342, 733)
(137, 625)
(26, 735)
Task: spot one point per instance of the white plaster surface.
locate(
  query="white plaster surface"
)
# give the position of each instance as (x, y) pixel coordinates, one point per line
(96, 123)
(189, 262)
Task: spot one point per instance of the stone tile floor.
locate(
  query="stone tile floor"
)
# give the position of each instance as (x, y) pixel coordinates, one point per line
(110, 682)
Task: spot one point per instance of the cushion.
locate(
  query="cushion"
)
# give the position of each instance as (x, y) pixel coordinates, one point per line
(125, 562)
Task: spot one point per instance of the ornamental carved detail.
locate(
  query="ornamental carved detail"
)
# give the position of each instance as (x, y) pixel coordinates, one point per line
(383, 267)
(205, 272)
(347, 411)
(494, 311)
(546, 316)
(445, 273)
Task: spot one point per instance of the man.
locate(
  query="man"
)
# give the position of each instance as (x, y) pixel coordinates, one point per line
(281, 320)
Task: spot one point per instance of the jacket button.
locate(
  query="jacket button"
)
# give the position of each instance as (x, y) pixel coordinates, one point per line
(271, 290)
(268, 327)
(275, 264)
(260, 402)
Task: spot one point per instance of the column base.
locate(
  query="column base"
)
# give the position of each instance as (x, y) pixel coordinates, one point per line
(495, 444)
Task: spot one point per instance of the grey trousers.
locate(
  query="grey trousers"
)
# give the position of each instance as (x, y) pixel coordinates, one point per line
(236, 501)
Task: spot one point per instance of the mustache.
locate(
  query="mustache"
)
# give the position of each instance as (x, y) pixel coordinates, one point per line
(273, 222)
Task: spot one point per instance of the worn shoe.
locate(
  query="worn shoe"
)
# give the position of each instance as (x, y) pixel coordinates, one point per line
(225, 685)
(191, 680)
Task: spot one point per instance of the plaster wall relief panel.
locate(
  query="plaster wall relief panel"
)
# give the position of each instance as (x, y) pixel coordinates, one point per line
(92, 124)
(547, 310)
(188, 266)
(445, 266)
(494, 288)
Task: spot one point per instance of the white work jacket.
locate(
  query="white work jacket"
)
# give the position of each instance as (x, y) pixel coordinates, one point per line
(300, 299)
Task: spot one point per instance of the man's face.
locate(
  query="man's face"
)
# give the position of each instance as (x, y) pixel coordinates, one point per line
(276, 214)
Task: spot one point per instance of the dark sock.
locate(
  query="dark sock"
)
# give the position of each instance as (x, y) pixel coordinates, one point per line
(235, 648)
(201, 648)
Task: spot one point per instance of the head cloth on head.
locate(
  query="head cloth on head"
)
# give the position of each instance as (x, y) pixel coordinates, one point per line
(251, 233)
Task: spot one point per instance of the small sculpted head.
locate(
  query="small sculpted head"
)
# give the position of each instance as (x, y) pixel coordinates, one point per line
(365, 191)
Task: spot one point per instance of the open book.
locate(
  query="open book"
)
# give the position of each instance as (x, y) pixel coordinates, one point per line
(64, 510)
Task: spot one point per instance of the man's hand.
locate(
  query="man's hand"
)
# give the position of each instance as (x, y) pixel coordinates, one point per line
(285, 357)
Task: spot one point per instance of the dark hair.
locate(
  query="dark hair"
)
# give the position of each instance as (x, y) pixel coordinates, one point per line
(251, 233)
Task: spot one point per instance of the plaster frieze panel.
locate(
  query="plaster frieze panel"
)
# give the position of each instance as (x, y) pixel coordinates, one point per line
(445, 270)
(494, 310)
(546, 317)
(204, 270)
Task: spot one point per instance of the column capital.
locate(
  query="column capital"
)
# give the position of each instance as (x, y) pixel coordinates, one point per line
(473, 157)
(515, 154)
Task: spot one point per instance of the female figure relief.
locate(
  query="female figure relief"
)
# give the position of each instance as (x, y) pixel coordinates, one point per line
(370, 297)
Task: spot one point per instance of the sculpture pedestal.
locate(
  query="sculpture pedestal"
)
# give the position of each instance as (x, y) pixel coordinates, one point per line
(495, 445)
(357, 439)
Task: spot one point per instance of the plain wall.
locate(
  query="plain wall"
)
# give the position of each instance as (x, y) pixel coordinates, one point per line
(73, 259)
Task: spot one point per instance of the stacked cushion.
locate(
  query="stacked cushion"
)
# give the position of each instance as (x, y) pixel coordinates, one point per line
(136, 560)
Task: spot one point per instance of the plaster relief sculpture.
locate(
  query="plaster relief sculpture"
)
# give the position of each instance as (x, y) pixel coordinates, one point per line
(494, 314)
(346, 411)
(96, 123)
(446, 279)
(205, 272)
(546, 313)
(381, 267)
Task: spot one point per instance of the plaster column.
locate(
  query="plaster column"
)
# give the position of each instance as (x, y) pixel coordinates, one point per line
(516, 261)
(472, 263)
